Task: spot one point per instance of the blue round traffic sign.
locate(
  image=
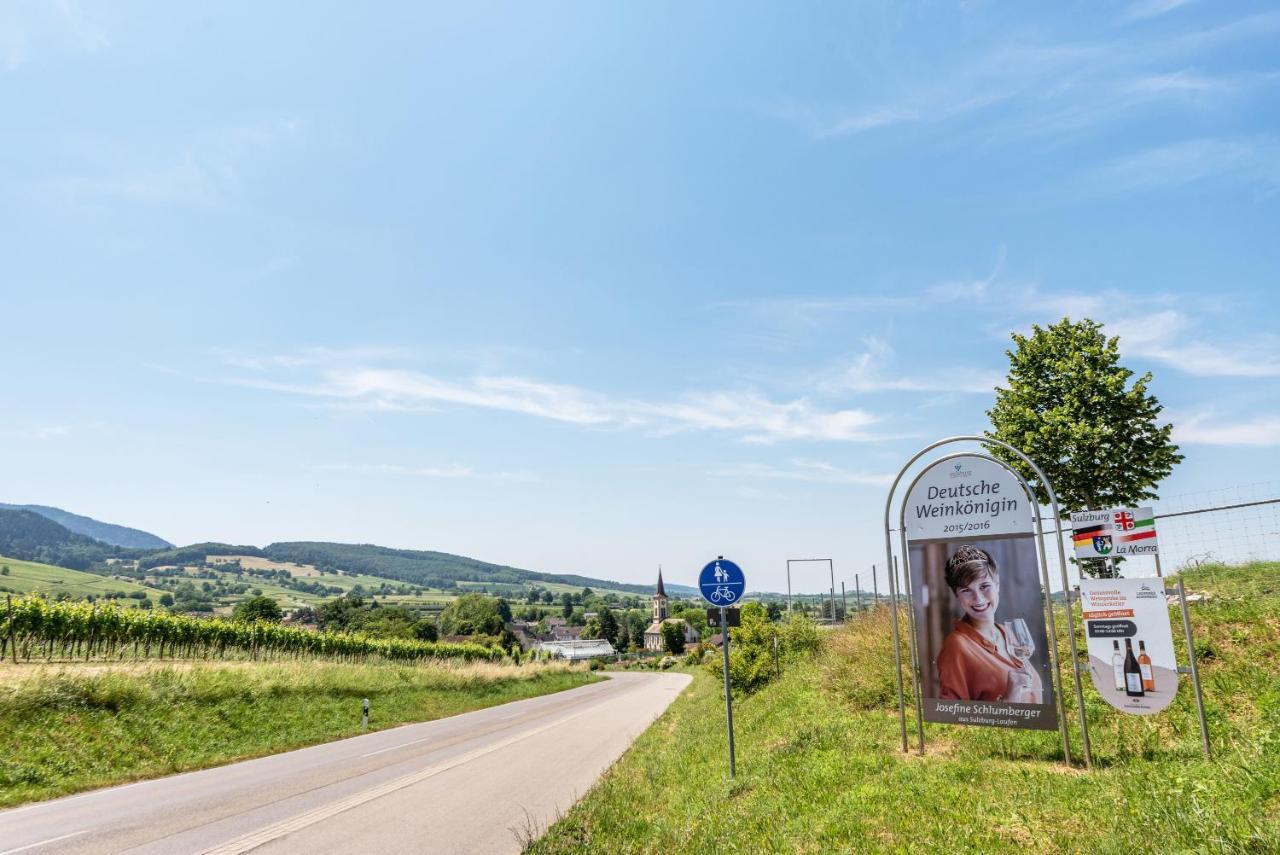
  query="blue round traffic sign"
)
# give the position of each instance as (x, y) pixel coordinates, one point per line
(722, 582)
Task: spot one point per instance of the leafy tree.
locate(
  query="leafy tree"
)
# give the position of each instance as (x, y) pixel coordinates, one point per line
(257, 608)
(592, 629)
(673, 637)
(608, 626)
(166, 599)
(566, 601)
(1072, 408)
(472, 614)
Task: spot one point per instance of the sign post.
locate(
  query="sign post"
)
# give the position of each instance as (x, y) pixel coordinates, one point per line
(722, 584)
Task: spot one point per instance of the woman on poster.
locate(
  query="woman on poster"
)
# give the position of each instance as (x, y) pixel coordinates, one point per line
(977, 661)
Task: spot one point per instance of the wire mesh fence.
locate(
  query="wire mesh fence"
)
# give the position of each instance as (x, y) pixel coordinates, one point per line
(1227, 525)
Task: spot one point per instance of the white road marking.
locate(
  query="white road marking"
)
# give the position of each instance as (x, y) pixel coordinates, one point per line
(43, 842)
(311, 817)
(389, 748)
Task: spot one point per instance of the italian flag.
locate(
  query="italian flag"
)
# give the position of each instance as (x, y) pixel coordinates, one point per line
(1143, 529)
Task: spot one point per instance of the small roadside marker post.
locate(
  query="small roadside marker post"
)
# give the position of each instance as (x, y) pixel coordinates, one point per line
(364, 719)
(722, 584)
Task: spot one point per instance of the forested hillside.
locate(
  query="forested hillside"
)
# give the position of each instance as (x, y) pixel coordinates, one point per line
(32, 537)
(431, 569)
(109, 533)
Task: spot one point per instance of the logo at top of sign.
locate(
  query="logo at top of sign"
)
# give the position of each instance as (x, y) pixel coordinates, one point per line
(1124, 520)
(722, 582)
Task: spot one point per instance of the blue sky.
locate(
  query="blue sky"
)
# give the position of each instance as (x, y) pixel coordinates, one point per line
(594, 287)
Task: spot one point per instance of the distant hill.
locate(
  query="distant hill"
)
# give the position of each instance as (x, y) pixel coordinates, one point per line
(115, 535)
(435, 569)
(32, 534)
(32, 537)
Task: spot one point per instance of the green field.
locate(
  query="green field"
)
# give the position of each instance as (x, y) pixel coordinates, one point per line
(28, 576)
(820, 767)
(71, 727)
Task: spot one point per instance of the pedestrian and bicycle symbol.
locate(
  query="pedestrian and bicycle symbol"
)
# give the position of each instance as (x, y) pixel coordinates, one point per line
(722, 582)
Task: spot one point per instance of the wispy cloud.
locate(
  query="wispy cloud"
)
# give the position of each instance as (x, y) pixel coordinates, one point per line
(873, 371)
(1151, 9)
(454, 471)
(29, 29)
(38, 433)
(1021, 88)
(799, 469)
(1204, 429)
(1250, 161)
(345, 381)
(206, 173)
(1170, 336)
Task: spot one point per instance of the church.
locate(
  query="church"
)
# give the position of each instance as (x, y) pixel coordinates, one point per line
(653, 635)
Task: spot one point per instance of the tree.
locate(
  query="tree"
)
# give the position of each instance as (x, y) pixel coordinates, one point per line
(566, 600)
(608, 626)
(472, 614)
(166, 599)
(1070, 407)
(673, 637)
(257, 608)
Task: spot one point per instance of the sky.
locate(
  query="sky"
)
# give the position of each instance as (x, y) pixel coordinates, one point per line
(598, 287)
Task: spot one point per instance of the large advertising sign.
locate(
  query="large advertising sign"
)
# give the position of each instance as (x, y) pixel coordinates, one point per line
(1119, 531)
(975, 578)
(1126, 623)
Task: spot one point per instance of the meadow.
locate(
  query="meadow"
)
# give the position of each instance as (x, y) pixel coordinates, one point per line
(820, 766)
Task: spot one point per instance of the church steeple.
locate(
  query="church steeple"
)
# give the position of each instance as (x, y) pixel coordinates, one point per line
(660, 599)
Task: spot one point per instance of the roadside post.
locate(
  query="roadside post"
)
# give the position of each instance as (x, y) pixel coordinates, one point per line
(722, 584)
(364, 719)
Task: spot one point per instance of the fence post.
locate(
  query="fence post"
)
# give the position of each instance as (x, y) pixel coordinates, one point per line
(1195, 671)
(13, 640)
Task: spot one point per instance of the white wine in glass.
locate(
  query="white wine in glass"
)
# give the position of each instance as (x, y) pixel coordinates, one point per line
(1019, 638)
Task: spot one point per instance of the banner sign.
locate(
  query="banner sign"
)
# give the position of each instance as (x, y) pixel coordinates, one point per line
(1119, 531)
(1126, 624)
(975, 580)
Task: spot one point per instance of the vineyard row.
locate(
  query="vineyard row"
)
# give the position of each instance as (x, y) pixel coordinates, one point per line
(32, 626)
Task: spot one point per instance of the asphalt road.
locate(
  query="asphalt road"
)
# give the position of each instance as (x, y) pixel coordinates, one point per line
(480, 782)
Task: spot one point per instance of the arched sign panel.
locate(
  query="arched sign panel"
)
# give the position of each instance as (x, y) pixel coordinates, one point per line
(982, 645)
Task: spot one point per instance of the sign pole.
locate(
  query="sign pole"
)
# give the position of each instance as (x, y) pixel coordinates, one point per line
(1195, 671)
(728, 695)
(857, 591)
(722, 584)
(844, 602)
(875, 586)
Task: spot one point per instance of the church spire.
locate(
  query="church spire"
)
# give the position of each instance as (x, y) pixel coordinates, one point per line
(660, 600)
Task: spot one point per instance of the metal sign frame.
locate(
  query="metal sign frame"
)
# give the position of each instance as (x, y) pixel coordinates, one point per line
(916, 674)
(831, 567)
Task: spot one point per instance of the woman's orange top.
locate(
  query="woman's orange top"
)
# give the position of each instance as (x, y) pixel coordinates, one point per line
(970, 668)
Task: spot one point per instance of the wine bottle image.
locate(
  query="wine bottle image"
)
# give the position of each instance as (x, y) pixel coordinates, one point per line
(1144, 664)
(1132, 672)
(1117, 664)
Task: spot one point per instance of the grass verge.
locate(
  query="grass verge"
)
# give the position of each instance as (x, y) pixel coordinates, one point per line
(820, 767)
(71, 727)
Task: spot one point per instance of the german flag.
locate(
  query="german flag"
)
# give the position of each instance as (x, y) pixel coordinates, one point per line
(1082, 538)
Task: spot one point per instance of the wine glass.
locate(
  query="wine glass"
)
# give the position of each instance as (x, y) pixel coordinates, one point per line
(1019, 639)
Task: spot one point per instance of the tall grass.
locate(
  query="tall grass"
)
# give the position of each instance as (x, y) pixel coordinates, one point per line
(820, 767)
